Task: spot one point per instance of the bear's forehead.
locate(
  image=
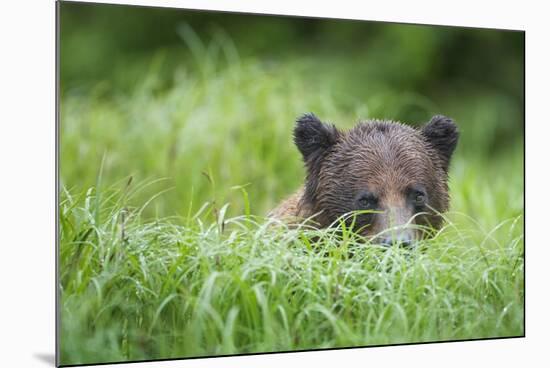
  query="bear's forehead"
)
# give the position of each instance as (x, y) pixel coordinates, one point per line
(384, 142)
(382, 130)
(385, 154)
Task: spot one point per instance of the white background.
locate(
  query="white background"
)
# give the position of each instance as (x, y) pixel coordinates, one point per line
(27, 182)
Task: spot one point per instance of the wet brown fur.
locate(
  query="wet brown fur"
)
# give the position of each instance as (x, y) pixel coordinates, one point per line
(382, 157)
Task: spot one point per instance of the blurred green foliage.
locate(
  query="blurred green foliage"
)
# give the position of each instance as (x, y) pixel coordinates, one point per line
(107, 42)
(207, 100)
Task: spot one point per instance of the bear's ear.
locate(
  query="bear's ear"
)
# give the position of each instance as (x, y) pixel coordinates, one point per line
(441, 132)
(313, 138)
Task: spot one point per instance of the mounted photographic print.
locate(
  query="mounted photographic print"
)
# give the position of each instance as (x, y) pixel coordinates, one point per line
(245, 183)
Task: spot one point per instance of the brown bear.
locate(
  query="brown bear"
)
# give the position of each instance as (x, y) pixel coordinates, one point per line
(387, 173)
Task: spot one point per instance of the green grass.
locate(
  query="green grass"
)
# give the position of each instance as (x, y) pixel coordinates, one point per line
(165, 251)
(192, 287)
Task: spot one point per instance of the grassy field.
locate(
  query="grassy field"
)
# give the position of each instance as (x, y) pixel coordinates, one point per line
(165, 251)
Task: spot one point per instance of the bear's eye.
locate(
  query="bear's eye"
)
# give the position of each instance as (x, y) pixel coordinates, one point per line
(367, 201)
(419, 199)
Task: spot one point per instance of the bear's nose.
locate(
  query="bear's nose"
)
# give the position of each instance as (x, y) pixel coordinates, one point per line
(402, 240)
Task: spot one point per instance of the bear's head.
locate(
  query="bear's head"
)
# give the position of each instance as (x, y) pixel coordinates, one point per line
(389, 174)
